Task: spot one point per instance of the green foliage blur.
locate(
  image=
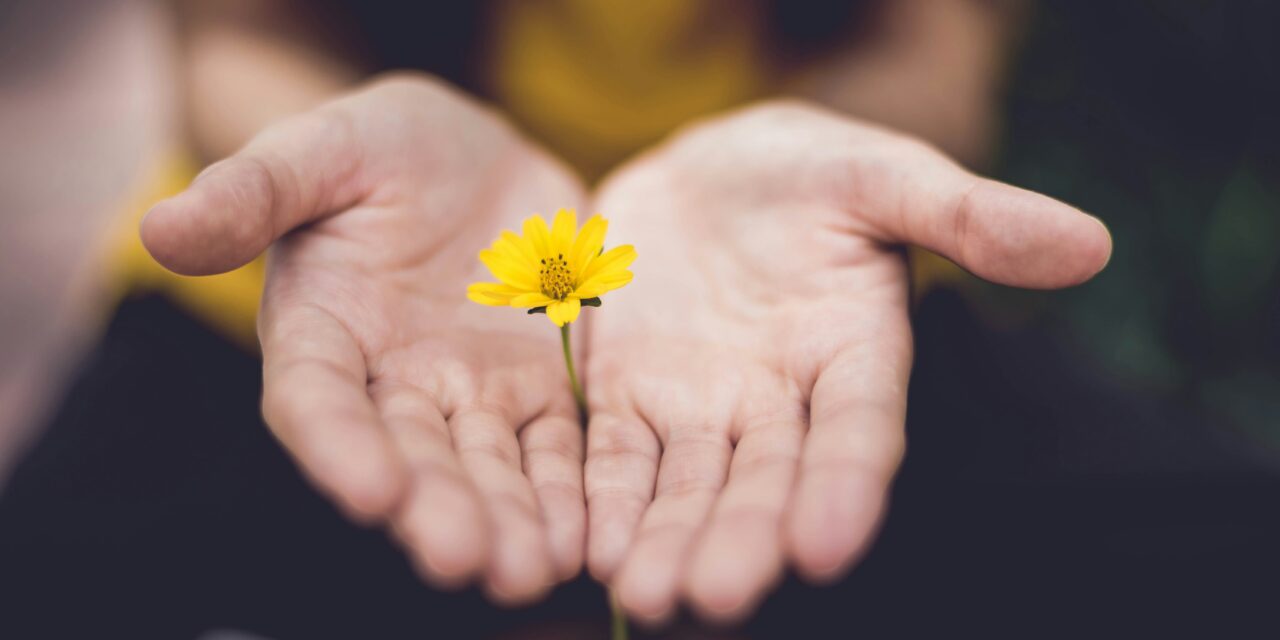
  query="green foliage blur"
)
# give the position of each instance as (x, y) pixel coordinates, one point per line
(1163, 119)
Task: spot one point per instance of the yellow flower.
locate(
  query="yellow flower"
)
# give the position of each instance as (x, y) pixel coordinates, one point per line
(557, 270)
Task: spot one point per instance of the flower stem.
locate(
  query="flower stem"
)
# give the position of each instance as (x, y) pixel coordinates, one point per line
(618, 619)
(578, 395)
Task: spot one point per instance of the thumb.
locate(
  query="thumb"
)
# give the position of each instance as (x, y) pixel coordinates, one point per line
(996, 231)
(292, 173)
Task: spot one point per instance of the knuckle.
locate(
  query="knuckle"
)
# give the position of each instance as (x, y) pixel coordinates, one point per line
(691, 486)
(559, 491)
(257, 191)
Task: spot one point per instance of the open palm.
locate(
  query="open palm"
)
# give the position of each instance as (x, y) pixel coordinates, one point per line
(407, 403)
(748, 390)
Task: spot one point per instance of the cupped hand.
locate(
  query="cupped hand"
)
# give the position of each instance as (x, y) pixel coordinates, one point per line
(748, 390)
(406, 403)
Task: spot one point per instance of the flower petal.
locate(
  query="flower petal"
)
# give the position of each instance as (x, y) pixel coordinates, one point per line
(612, 261)
(564, 311)
(587, 245)
(533, 299)
(516, 248)
(602, 284)
(562, 231)
(510, 271)
(539, 237)
(492, 293)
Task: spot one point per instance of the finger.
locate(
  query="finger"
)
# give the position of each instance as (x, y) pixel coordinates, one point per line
(519, 568)
(690, 475)
(999, 232)
(854, 445)
(294, 172)
(552, 447)
(622, 463)
(739, 555)
(441, 522)
(316, 402)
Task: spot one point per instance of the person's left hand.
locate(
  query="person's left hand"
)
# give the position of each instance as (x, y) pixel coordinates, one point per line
(748, 390)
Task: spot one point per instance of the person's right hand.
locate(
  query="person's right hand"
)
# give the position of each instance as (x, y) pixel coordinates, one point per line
(405, 402)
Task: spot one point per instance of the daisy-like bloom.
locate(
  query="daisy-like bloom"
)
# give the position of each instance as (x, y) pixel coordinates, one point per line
(555, 270)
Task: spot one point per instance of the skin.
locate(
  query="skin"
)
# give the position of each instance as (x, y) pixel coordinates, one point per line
(748, 389)
(407, 404)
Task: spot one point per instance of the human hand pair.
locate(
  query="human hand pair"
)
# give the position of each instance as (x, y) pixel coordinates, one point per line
(747, 391)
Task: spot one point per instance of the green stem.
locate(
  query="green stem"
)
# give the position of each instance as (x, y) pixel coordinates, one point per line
(617, 617)
(578, 395)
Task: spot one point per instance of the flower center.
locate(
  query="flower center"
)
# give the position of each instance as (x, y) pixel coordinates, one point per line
(557, 281)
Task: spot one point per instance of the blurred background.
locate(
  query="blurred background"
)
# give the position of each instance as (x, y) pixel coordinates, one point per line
(1100, 459)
